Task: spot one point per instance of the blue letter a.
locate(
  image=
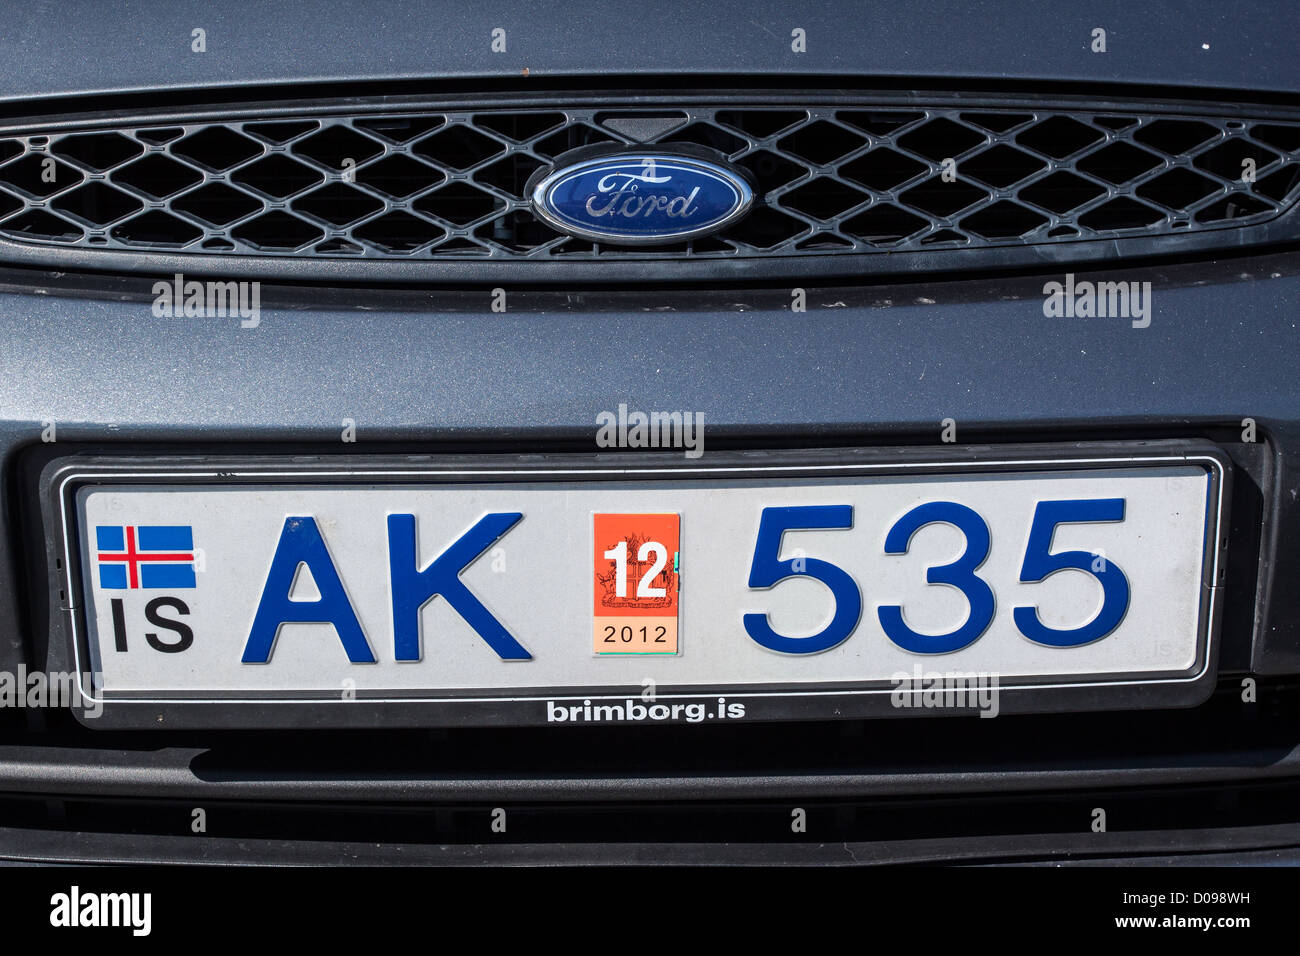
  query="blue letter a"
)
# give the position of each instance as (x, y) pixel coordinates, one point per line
(413, 589)
(301, 543)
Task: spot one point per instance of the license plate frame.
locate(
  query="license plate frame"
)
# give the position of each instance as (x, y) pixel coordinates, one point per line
(67, 649)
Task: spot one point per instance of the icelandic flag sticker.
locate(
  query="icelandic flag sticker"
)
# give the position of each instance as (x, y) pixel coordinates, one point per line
(145, 556)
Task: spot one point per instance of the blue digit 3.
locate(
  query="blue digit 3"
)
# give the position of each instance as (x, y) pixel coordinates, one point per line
(959, 574)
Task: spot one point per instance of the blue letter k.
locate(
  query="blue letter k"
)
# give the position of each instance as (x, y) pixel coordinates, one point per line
(413, 589)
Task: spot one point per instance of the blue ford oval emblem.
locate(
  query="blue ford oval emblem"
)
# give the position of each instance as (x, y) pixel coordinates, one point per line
(641, 198)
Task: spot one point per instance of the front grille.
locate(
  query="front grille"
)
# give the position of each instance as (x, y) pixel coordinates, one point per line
(832, 180)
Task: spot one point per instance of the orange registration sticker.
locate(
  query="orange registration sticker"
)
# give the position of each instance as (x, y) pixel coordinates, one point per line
(637, 563)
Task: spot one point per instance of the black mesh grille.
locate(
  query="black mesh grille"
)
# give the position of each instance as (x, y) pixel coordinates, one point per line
(831, 181)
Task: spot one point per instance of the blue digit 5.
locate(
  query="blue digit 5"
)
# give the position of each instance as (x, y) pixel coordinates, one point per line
(1040, 562)
(766, 570)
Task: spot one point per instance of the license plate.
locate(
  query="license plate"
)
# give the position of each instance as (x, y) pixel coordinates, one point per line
(544, 594)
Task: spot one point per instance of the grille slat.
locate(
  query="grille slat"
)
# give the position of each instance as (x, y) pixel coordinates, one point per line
(833, 180)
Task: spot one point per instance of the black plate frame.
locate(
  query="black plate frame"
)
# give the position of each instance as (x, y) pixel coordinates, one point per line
(61, 478)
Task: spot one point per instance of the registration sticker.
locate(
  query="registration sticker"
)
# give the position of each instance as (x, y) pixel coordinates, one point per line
(637, 565)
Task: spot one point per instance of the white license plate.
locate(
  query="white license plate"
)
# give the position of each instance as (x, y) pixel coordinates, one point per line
(392, 586)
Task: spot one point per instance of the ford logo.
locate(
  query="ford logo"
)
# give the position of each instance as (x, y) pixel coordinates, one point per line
(640, 198)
